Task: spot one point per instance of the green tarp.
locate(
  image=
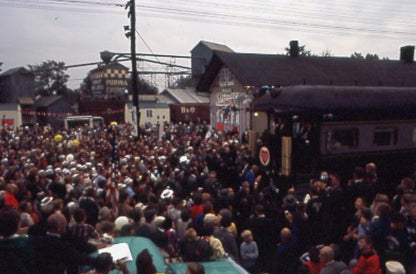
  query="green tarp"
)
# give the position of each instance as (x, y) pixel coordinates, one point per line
(136, 245)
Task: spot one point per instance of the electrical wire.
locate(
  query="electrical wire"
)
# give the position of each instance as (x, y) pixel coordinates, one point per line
(232, 19)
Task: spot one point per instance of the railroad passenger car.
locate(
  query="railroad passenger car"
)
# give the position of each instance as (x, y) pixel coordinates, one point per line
(310, 128)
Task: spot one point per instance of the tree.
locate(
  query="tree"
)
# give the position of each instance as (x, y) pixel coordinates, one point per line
(302, 51)
(147, 88)
(370, 56)
(327, 53)
(183, 82)
(357, 55)
(50, 78)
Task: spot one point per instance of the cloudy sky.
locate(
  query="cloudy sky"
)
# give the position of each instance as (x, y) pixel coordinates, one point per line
(76, 31)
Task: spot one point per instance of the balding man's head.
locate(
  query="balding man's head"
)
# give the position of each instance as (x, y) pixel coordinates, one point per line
(57, 223)
(326, 254)
(285, 235)
(371, 168)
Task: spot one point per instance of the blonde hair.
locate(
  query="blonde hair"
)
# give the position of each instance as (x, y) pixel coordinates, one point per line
(246, 233)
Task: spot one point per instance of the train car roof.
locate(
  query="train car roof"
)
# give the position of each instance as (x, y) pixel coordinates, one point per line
(338, 99)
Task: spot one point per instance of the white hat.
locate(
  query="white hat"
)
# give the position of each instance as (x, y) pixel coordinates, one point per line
(120, 222)
(128, 181)
(394, 267)
(141, 206)
(166, 194)
(66, 172)
(48, 172)
(70, 157)
(47, 200)
(183, 159)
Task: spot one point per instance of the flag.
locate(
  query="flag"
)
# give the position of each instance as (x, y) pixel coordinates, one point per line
(112, 193)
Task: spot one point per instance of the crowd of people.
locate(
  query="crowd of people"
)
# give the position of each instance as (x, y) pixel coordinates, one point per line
(199, 195)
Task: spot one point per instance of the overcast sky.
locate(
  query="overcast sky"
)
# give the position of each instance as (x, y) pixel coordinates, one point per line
(76, 31)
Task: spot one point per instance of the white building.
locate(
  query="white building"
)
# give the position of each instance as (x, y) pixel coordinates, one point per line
(151, 111)
(11, 114)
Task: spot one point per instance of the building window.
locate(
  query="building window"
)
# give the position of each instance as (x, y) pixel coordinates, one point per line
(341, 139)
(158, 117)
(149, 113)
(163, 117)
(385, 136)
(226, 77)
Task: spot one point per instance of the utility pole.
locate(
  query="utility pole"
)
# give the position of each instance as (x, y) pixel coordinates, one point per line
(134, 76)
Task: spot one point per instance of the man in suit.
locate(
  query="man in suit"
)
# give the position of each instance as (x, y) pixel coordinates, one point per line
(326, 256)
(227, 239)
(264, 234)
(53, 254)
(16, 254)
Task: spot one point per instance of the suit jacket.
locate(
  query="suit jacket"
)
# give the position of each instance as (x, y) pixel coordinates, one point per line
(335, 267)
(54, 255)
(228, 242)
(12, 252)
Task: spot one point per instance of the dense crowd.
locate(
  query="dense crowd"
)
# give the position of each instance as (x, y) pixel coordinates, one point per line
(199, 195)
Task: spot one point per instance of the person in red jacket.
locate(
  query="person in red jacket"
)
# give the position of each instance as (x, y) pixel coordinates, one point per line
(369, 261)
(10, 198)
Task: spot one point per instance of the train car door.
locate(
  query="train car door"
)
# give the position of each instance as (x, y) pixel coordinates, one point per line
(286, 155)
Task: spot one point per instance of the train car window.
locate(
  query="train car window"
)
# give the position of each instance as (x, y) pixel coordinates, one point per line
(385, 136)
(414, 135)
(341, 139)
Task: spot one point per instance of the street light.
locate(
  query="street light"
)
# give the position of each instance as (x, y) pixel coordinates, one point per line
(106, 56)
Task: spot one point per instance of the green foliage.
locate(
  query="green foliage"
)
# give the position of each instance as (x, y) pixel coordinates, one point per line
(50, 78)
(368, 56)
(147, 88)
(71, 96)
(183, 82)
(357, 55)
(86, 84)
(327, 53)
(302, 51)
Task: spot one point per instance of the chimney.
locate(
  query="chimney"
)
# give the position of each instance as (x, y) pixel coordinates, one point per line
(294, 48)
(407, 54)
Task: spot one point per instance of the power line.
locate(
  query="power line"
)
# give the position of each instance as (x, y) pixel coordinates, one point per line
(231, 19)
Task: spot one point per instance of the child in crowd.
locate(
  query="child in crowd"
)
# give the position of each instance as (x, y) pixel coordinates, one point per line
(249, 251)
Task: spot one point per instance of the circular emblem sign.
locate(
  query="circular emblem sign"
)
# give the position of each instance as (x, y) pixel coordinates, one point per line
(264, 156)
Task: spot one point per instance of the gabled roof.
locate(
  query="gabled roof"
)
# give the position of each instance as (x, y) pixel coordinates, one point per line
(185, 96)
(14, 71)
(113, 65)
(25, 100)
(213, 46)
(47, 101)
(156, 105)
(9, 106)
(280, 70)
(158, 98)
(148, 98)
